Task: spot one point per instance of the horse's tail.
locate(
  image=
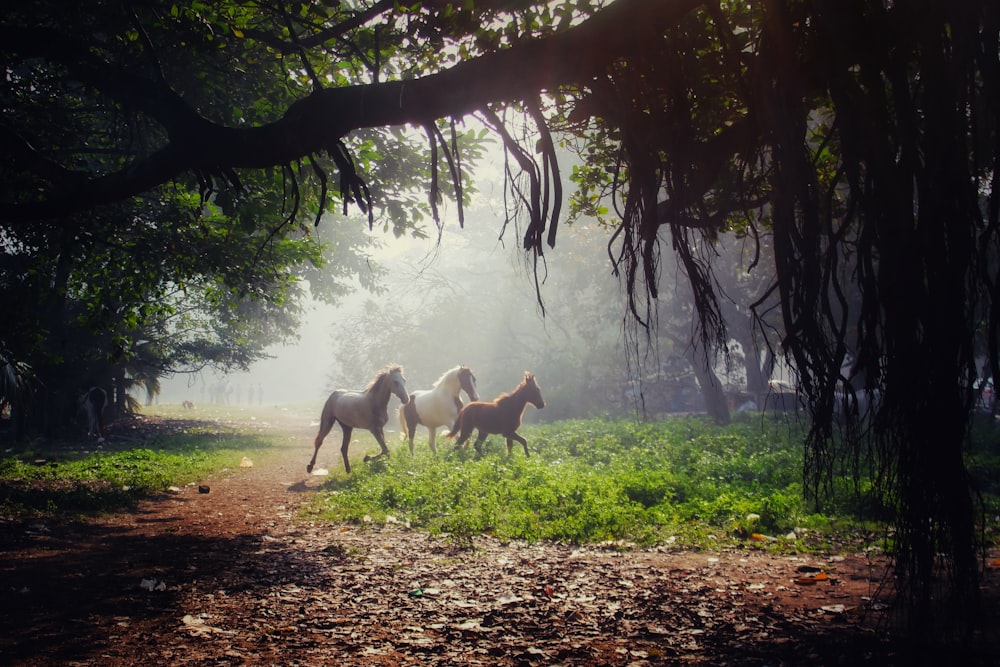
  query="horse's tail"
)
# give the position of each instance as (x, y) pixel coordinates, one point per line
(327, 419)
(457, 427)
(403, 429)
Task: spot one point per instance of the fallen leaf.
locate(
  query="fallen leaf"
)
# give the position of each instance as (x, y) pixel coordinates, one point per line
(812, 579)
(835, 608)
(199, 628)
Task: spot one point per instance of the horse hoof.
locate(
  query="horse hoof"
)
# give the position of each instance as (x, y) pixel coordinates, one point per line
(309, 468)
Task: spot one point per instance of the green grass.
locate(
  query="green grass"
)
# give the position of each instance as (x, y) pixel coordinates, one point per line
(683, 480)
(70, 479)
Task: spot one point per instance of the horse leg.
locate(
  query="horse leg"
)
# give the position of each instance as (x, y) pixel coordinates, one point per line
(479, 441)
(408, 421)
(347, 443)
(380, 439)
(324, 429)
(431, 439)
(524, 443)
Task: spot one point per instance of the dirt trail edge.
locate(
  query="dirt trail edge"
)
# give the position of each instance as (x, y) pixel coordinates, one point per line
(235, 577)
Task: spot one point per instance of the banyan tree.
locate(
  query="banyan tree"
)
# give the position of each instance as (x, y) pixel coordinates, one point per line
(861, 135)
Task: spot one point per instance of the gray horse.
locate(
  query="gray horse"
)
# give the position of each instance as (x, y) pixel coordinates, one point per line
(366, 409)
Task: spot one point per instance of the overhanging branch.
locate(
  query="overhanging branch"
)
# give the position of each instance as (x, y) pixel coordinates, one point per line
(324, 117)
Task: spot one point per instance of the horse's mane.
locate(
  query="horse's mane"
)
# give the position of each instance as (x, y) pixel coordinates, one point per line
(437, 383)
(382, 375)
(524, 382)
(456, 370)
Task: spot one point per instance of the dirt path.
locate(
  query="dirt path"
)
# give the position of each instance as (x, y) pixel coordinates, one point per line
(233, 577)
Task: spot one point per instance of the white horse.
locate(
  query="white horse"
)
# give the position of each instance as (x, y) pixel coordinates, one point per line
(439, 406)
(366, 409)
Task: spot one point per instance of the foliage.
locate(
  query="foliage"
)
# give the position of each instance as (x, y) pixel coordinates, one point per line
(209, 268)
(152, 290)
(675, 481)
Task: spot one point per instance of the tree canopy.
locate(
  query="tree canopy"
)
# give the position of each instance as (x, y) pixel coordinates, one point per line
(861, 134)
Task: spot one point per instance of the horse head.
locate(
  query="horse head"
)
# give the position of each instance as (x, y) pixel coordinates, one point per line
(397, 384)
(533, 392)
(468, 382)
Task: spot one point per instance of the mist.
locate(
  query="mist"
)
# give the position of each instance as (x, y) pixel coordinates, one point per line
(467, 297)
(472, 296)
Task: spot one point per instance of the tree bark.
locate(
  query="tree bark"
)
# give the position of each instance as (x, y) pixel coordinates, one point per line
(711, 390)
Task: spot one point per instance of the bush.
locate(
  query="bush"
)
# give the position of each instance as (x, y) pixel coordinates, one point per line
(586, 481)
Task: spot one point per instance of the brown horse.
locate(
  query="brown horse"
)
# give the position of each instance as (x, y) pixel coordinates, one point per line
(502, 415)
(366, 409)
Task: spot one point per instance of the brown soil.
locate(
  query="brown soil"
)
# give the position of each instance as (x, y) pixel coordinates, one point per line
(236, 577)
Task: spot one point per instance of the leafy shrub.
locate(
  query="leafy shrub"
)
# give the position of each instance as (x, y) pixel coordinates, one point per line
(588, 480)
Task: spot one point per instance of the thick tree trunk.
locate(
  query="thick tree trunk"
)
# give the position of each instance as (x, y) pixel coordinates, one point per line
(711, 388)
(913, 183)
(937, 514)
(759, 364)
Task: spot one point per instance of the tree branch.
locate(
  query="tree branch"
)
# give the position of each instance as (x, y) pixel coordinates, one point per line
(319, 121)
